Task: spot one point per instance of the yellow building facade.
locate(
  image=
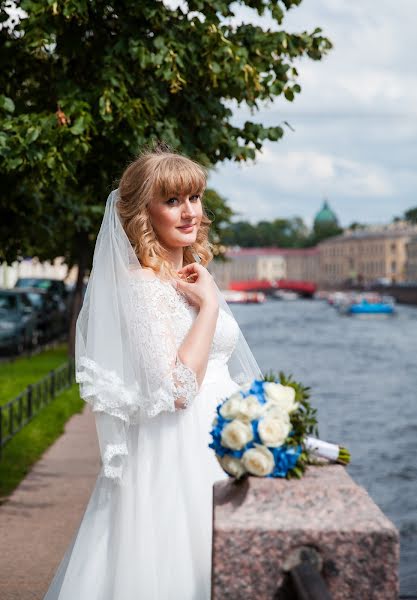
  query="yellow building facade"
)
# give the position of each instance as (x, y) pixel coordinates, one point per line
(411, 264)
(366, 256)
(244, 264)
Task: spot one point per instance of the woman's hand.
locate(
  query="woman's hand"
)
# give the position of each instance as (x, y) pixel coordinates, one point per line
(198, 285)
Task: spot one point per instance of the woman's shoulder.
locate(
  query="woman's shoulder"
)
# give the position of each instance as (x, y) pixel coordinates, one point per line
(153, 292)
(144, 274)
(147, 279)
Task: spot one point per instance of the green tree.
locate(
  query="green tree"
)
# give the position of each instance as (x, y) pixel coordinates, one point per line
(411, 215)
(322, 231)
(283, 233)
(218, 212)
(356, 226)
(241, 233)
(85, 83)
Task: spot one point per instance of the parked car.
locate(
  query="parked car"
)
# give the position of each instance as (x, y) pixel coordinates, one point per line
(18, 321)
(55, 286)
(52, 314)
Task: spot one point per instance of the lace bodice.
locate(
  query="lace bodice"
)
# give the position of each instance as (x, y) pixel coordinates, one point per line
(161, 316)
(174, 313)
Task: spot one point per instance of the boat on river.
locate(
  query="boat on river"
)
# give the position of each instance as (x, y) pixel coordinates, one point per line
(236, 297)
(368, 304)
(365, 308)
(285, 295)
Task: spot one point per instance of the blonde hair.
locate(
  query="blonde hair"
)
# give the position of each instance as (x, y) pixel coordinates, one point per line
(160, 172)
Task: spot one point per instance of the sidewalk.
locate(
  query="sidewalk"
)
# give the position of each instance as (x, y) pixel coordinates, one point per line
(40, 518)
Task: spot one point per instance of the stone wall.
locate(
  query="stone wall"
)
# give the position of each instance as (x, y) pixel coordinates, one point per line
(259, 525)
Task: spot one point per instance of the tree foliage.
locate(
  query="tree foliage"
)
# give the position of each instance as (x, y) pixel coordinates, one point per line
(86, 83)
(323, 231)
(411, 215)
(284, 233)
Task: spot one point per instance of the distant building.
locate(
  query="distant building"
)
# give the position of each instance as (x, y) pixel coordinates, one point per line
(366, 255)
(303, 264)
(244, 264)
(32, 267)
(411, 263)
(325, 217)
(326, 224)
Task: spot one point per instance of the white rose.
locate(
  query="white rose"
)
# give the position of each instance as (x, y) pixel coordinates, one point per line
(258, 461)
(273, 431)
(270, 409)
(246, 387)
(236, 435)
(250, 408)
(284, 395)
(232, 465)
(230, 409)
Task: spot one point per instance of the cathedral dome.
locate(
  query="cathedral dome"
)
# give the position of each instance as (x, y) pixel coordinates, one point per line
(326, 216)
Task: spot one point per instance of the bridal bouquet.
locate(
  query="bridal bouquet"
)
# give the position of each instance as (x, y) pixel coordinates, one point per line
(266, 428)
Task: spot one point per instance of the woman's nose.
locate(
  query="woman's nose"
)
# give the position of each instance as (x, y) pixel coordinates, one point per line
(188, 208)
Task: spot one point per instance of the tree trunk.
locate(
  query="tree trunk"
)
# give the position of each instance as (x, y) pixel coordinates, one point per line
(83, 264)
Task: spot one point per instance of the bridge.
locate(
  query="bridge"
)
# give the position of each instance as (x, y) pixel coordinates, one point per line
(304, 288)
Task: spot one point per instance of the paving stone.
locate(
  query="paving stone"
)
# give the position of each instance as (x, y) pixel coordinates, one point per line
(40, 518)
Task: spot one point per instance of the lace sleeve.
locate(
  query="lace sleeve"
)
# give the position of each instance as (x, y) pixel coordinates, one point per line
(171, 383)
(127, 360)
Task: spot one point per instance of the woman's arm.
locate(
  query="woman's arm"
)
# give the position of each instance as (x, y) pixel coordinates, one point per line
(194, 350)
(201, 291)
(170, 374)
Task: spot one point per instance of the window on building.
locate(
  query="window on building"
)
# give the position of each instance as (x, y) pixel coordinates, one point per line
(393, 266)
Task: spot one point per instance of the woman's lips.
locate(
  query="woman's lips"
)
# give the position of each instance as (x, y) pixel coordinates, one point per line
(186, 227)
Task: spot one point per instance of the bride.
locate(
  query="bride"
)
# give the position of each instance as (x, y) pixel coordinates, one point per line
(156, 349)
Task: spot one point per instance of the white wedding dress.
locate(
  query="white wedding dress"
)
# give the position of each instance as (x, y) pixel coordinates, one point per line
(146, 533)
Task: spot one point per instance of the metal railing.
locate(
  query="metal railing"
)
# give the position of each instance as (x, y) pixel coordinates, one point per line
(17, 413)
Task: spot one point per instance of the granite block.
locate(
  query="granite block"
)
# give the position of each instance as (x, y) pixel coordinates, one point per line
(259, 524)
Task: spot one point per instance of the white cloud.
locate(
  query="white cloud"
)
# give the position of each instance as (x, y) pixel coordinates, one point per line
(308, 170)
(355, 121)
(307, 175)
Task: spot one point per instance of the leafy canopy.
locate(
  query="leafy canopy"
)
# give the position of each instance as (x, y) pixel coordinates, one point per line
(86, 83)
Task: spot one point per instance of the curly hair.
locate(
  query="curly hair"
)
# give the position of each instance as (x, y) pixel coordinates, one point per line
(156, 172)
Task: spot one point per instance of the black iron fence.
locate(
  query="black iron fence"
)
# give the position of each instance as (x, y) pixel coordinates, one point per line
(18, 412)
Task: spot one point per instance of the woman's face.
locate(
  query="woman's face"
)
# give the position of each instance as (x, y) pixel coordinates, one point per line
(176, 220)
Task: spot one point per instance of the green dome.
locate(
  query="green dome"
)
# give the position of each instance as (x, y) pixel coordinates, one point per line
(325, 216)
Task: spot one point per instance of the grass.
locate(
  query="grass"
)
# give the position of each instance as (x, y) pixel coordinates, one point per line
(30, 443)
(16, 375)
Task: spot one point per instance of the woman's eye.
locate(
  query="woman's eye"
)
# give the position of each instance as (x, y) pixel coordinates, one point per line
(174, 201)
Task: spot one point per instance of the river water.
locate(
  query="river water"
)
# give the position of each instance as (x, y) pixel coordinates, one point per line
(363, 375)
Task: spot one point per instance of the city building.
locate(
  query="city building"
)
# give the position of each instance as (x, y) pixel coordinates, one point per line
(325, 217)
(366, 255)
(411, 263)
(32, 267)
(244, 264)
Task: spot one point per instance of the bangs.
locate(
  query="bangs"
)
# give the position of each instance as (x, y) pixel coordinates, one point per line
(178, 175)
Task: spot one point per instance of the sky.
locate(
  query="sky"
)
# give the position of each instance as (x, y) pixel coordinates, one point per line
(355, 121)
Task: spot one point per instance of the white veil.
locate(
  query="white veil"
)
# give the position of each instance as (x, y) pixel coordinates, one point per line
(110, 363)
